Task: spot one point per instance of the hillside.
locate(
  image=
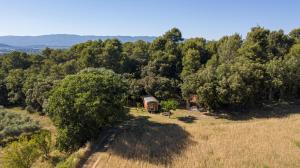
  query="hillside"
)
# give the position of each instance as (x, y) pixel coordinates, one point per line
(4, 48)
(62, 40)
(3, 45)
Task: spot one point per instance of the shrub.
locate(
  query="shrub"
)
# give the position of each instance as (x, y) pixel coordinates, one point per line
(84, 103)
(43, 142)
(20, 154)
(169, 105)
(13, 125)
(24, 152)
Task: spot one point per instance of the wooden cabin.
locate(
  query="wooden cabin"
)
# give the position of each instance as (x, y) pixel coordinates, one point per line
(151, 104)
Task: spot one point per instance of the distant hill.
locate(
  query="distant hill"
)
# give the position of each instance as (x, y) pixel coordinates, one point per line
(62, 40)
(3, 45)
(4, 48)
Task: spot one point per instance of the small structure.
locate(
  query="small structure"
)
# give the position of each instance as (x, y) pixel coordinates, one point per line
(192, 102)
(151, 104)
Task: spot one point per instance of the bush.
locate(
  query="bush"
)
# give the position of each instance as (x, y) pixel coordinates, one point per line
(20, 154)
(13, 125)
(24, 152)
(84, 103)
(169, 105)
(43, 142)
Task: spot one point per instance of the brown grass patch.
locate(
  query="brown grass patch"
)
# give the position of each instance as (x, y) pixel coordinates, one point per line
(157, 141)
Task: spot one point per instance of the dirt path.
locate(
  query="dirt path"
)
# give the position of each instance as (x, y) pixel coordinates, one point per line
(100, 147)
(103, 143)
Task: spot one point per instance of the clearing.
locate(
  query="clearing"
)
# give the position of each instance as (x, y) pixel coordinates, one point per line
(194, 139)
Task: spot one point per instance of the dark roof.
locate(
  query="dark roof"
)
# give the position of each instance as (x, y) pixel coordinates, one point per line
(150, 99)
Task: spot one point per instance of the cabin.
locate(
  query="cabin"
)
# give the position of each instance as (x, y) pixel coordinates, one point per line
(151, 104)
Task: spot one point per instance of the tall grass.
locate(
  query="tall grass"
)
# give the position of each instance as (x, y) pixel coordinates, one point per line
(208, 141)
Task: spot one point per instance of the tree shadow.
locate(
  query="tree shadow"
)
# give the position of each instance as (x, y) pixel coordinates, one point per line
(187, 119)
(157, 143)
(266, 111)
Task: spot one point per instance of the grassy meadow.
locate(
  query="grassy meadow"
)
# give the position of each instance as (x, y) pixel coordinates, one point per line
(193, 139)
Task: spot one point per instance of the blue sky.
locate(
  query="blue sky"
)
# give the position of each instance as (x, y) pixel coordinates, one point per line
(206, 18)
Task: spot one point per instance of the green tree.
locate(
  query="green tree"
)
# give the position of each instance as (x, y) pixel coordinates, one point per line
(256, 44)
(228, 48)
(194, 55)
(37, 96)
(43, 142)
(169, 105)
(278, 44)
(14, 85)
(161, 87)
(84, 103)
(20, 154)
(295, 34)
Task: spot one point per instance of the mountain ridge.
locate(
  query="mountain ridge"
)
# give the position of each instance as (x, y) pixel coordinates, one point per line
(65, 40)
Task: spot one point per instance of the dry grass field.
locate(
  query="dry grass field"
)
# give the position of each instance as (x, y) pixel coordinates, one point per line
(195, 140)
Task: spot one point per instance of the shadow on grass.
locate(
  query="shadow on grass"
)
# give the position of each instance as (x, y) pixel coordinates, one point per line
(266, 111)
(187, 119)
(157, 143)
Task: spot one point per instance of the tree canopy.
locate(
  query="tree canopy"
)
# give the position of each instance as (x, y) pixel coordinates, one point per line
(231, 72)
(81, 104)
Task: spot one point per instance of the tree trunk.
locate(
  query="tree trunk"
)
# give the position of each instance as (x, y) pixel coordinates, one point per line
(270, 97)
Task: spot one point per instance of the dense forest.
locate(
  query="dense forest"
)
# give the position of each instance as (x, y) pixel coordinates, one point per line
(229, 73)
(85, 88)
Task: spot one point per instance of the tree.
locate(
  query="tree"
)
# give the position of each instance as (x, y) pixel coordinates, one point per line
(228, 48)
(256, 44)
(135, 57)
(14, 85)
(3, 89)
(80, 105)
(278, 44)
(292, 69)
(15, 60)
(24, 152)
(37, 96)
(21, 154)
(240, 84)
(3, 93)
(165, 55)
(169, 105)
(173, 35)
(111, 56)
(161, 87)
(194, 55)
(295, 34)
(276, 71)
(43, 142)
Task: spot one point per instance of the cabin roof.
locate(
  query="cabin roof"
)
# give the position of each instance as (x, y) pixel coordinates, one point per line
(150, 99)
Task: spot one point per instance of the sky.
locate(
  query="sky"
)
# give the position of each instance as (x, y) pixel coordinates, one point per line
(210, 19)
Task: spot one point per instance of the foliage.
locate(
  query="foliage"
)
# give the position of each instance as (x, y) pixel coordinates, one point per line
(24, 152)
(242, 74)
(43, 142)
(74, 159)
(229, 72)
(21, 154)
(169, 105)
(37, 96)
(80, 105)
(13, 125)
